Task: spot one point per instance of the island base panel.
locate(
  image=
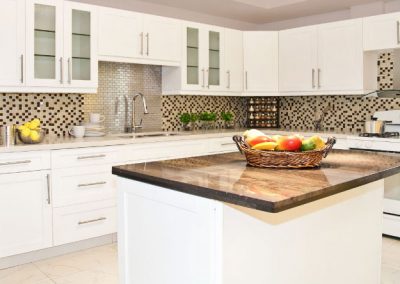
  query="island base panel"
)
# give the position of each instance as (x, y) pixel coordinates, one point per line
(169, 237)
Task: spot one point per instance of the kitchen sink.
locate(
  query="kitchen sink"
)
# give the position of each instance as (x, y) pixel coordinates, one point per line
(144, 135)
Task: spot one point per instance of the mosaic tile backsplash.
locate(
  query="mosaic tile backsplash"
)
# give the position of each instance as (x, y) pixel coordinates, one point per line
(56, 111)
(173, 106)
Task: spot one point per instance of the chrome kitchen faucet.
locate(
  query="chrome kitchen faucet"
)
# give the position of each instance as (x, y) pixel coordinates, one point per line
(131, 126)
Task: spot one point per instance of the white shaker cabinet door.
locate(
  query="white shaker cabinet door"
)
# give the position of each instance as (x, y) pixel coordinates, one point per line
(12, 49)
(233, 60)
(340, 56)
(25, 213)
(162, 39)
(382, 32)
(298, 59)
(260, 61)
(120, 34)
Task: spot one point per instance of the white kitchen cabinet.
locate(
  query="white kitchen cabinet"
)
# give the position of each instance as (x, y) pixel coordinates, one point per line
(298, 59)
(381, 32)
(61, 52)
(80, 45)
(234, 60)
(12, 49)
(44, 43)
(261, 62)
(340, 56)
(323, 59)
(138, 38)
(25, 212)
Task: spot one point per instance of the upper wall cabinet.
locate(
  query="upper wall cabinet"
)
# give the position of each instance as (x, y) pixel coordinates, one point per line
(203, 62)
(382, 32)
(261, 62)
(322, 59)
(12, 49)
(138, 38)
(234, 60)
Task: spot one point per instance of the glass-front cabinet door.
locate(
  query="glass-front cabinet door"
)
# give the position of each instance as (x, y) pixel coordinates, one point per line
(80, 45)
(193, 64)
(214, 59)
(44, 29)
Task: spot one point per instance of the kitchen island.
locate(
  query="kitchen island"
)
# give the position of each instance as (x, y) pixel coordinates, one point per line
(214, 220)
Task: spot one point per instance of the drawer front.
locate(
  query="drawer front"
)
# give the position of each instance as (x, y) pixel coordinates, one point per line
(24, 161)
(222, 145)
(81, 185)
(76, 223)
(391, 225)
(83, 157)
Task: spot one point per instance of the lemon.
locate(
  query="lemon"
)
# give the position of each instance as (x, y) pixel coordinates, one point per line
(25, 132)
(269, 146)
(34, 135)
(21, 127)
(27, 125)
(35, 123)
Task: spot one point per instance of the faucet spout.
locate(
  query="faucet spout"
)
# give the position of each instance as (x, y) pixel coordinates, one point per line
(132, 127)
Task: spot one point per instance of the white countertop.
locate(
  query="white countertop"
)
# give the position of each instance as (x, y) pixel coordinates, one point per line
(57, 143)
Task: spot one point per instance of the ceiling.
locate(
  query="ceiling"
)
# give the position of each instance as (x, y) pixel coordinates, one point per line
(261, 11)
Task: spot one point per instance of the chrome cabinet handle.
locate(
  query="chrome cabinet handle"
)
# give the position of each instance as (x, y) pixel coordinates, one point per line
(147, 43)
(61, 71)
(91, 157)
(48, 189)
(208, 78)
(204, 78)
(245, 80)
(141, 43)
(92, 184)
(92, 221)
(22, 68)
(319, 78)
(16, 163)
(398, 31)
(69, 70)
(229, 79)
(313, 78)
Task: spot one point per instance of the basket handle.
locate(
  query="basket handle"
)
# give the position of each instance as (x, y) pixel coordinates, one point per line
(329, 145)
(240, 143)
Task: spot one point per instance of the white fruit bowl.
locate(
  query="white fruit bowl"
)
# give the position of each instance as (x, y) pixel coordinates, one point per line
(28, 140)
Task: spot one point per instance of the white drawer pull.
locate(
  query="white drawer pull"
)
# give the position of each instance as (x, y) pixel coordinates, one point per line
(16, 163)
(91, 157)
(92, 221)
(92, 184)
(227, 144)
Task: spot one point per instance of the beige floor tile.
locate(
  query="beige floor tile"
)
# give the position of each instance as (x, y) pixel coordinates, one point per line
(88, 277)
(24, 274)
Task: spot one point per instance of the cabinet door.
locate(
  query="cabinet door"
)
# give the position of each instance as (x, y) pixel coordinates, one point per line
(215, 41)
(120, 34)
(260, 61)
(193, 70)
(80, 45)
(25, 213)
(12, 32)
(298, 59)
(340, 56)
(382, 32)
(233, 60)
(44, 43)
(160, 33)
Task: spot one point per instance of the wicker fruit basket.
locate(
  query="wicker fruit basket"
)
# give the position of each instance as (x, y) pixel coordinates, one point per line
(283, 159)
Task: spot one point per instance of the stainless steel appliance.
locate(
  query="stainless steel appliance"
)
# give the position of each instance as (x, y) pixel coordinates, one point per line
(385, 142)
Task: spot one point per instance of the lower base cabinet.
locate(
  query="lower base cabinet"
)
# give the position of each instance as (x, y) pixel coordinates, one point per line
(25, 212)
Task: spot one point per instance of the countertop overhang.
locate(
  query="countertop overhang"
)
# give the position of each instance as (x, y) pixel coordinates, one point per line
(227, 178)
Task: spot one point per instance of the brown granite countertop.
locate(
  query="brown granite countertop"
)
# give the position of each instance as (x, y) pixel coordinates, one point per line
(227, 178)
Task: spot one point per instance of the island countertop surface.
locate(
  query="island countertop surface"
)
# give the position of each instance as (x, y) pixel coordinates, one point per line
(227, 178)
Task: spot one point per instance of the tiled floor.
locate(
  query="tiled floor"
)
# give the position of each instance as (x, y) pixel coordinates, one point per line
(99, 266)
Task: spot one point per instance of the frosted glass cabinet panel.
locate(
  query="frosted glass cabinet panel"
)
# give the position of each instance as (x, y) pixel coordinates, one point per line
(193, 56)
(214, 59)
(80, 45)
(45, 42)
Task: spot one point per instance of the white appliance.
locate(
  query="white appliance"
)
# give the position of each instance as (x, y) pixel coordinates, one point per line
(391, 203)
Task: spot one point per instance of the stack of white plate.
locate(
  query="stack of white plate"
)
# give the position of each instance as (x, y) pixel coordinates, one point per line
(94, 129)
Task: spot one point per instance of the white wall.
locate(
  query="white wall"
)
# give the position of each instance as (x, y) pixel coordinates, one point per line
(375, 8)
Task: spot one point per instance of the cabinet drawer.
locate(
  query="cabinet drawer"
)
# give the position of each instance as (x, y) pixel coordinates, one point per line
(222, 145)
(75, 223)
(83, 157)
(24, 161)
(81, 185)
(391, 225)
